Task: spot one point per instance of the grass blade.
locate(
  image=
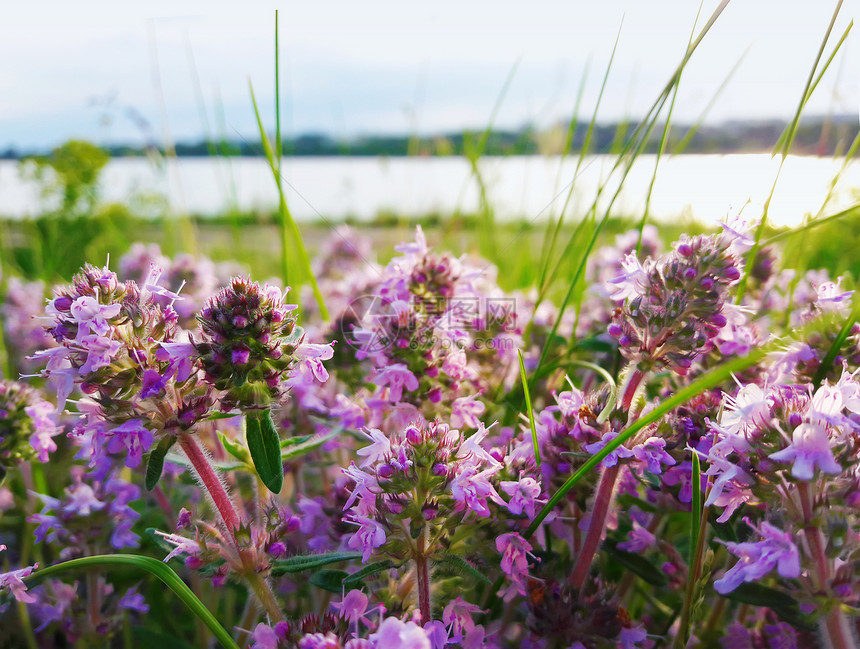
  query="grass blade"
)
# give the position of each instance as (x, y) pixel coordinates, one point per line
(705, 382)
(696, 510)
(787, 139)
(287, 223)
(529, 409)
(155, 568)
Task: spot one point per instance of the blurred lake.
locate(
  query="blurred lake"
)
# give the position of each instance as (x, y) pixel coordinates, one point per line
(704, 187)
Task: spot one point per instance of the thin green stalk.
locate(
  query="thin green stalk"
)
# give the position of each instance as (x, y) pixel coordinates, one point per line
(664, 138)
(287, 223)
(691, 132)
(787, 140)
(700, 524)
(827, 363)
(529, 409)
(635, 145)
(706, 381)
(586, 146)
(155, 568)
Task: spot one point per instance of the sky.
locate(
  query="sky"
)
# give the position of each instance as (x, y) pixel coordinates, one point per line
(130, 72)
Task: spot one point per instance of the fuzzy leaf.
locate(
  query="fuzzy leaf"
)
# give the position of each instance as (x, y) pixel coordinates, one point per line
(303, 448)
(356, 578)
(637, 564)
(785, 606)
(458, 565)
(302, 562)
(330, 580)
(233, 448)
(155, 465)
(265, 447)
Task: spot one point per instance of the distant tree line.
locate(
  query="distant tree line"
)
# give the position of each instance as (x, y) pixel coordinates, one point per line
(815, 136)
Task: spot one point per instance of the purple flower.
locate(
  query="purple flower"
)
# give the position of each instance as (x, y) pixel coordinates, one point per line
(640, 539)
(472, 488)
(458, 615)
(133, 601)
(652, 452)
(810, 447)
(465, 412)
(183, 545)
(264, 637)
(776, 550)
(396, 377)
(515, 563)
(378, 450)
(403, 635)
(632, 282)
(312, 355)
(353, 606)
(524, 494)
(13, 582)
(621, 452)
(747, 411)
(132, 437)
(370, 535)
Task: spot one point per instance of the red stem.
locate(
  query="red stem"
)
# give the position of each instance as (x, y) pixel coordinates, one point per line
(834, 627)
(423, 583)
(210, 481)
(599, 510)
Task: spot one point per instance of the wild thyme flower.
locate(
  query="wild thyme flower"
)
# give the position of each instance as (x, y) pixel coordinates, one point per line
(21, 305)
(248, 342)
(111, 337)
(27, 425)
(672, 306)
(12, 582)
(775, 550)
(91, 514)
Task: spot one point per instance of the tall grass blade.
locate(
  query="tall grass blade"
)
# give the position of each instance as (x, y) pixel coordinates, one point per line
(287, 223)
(696, 506)
(708, 380)
(586, 146)
(529, 409)
(664, 137)
(636, 145)
(155, 568)
(786, 141)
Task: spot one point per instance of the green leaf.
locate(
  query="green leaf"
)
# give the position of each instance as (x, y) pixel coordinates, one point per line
(696, 513)
(458, 565)
(706, 381)
(2, 474)
(265, 447)
(357, 577)
(155, 568)
(330, 580)
(215, 416)
(529, 408)
(302, 562)
(303, 448)
(155, 465)
(235, 449)
(785, 606)
(637, 564)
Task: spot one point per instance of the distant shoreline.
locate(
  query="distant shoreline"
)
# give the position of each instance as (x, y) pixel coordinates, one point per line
(820, 136)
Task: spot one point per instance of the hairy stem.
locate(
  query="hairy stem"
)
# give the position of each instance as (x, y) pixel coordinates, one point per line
(423, 584)
(834, 626)
(266, 596)
(599, 510)
(211, 482)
